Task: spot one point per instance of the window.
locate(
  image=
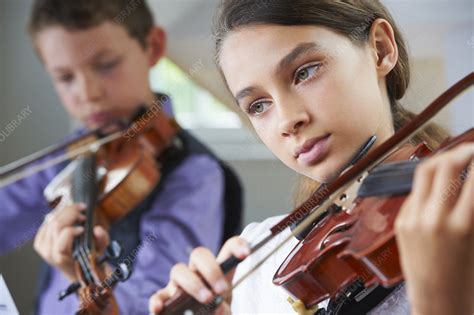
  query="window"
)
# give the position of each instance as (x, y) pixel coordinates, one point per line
(194, 107)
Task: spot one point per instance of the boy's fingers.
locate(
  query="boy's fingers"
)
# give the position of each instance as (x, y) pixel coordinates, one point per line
(102, 238)
(65, 239)
(66, 216)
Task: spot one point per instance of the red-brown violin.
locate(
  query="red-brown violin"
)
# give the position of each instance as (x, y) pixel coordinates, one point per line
(114, 168)
(352, 243)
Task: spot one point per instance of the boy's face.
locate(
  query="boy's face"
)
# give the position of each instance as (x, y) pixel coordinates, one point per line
(100, 74)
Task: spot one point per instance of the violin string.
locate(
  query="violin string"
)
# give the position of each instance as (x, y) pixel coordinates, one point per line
(84, 252)
(315, 213)
(416, 124)
(61, 158)
(88, 224)
(83, 244)
(82, 259)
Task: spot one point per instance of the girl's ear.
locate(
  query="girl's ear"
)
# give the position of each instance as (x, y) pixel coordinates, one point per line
(156, 45)
(382, 43)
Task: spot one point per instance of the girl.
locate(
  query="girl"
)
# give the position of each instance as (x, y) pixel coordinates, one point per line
(317, 79)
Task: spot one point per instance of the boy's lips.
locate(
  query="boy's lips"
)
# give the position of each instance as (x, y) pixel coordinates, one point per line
(312, 150)
(99, 118)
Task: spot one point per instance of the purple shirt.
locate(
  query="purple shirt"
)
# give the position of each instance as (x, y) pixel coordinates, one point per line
(188, 213)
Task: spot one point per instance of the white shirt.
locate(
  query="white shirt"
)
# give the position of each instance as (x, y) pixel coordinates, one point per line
(258, 295)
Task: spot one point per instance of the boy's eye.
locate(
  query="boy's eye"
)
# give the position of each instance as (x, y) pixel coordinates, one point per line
(306, 73)
(65, 78)
(258, 108)
(107, 66)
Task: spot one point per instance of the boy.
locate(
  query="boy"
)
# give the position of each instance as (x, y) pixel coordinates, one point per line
(98, 54)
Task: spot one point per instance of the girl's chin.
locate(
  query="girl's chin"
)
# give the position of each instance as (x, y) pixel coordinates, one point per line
(322, 173)
(320, 177)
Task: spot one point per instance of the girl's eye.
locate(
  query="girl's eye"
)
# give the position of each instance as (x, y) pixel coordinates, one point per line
(306, 73)
(258, 108)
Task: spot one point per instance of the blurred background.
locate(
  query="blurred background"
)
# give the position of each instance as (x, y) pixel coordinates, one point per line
(440, 36)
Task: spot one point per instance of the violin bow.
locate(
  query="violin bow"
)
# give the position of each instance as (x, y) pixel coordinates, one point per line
(323, 199)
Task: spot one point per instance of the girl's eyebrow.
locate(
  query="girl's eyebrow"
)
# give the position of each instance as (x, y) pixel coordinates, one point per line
(244, 93)
(300, 49)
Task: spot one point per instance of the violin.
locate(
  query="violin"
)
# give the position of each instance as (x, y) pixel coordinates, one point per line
(353, 250)
(351, 246)
(114, 169)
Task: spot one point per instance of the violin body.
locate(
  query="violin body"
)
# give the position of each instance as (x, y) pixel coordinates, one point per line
(126, 175)
(351, 246)
(338, 258)
(111, 180)
(97, 296)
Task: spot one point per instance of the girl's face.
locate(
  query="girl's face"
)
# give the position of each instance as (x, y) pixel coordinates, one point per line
(312, 95)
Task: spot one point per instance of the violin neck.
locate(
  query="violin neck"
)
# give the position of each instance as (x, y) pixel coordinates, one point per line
(84, 189)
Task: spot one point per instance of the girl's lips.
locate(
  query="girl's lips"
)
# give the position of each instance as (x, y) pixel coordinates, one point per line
(313, 150)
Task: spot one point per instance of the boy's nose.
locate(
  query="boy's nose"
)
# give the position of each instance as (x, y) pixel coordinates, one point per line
(90, 89)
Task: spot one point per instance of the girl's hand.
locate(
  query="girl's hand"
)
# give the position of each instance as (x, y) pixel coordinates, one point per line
(202, 278)
(54, 240)
(435, 234)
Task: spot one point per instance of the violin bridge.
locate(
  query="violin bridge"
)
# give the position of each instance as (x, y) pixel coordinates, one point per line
(346, 198)
(300, 308)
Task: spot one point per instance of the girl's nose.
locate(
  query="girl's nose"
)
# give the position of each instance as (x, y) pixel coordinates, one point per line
(292, 119)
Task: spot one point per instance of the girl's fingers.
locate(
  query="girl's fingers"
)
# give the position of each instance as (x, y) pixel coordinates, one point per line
(463, 212)
(448, 181)
(191, 283)
(412, 207)
(158, 300)
(203, 261)
(235, 246)
(223, 309)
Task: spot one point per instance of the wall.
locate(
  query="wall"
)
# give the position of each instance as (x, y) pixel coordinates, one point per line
(23, 85)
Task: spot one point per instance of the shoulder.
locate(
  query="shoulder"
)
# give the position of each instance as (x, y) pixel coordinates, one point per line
(198, 169)
(197, 164)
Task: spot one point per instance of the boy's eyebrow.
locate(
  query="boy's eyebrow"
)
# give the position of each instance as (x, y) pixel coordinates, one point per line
(299, 50)
(95, 56)
(100, 53)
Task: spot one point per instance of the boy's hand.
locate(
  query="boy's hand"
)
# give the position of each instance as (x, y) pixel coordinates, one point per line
(435, 234)
(54, 240)
(202, 278)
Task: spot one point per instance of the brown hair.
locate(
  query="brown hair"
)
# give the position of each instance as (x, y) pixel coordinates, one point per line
(134, 15)
(351, 18)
